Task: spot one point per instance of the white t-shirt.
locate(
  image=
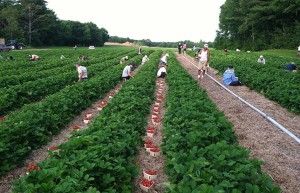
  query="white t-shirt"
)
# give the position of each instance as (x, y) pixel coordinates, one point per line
(203, 55)
(33, 57)
(145, 59)
(164, 59)
(83, 70)
(162, 69)
(126, 71)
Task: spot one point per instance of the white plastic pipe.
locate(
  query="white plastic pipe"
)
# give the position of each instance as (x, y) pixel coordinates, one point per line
(253, 107)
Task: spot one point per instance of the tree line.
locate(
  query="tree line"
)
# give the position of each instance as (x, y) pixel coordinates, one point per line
(259, 24)
(31, 22)
(148, 42)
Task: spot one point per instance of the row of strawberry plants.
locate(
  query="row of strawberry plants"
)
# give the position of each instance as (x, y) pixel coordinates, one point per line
(32, 126)
(201, 150)
(273, 82)
(25, 74)
(16, 96)
(101, 158)
(22, 61)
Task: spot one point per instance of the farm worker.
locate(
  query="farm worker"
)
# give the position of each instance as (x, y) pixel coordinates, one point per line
(184, 48)
(162, 72)
(197, 54)
(84, 58)
(237, 50)
(204, 56)
(291, 67)
(179, 48)
(11, 58)
(75, 47)
(225, 50)
(82, 72)
(33, 57)
(140, 50)
(123, 59)
(145, 59)
(126, 74)
(62, 57)
(298, 51)
(164, 59)
(229, 77)
(261, 59)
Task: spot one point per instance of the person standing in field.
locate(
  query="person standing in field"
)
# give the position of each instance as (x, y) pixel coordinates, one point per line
(298, 54)
(179, 48)
(204, 57)
(184, 48)
(126, 74)
(82, 72)
(140, 50)
(261, 59)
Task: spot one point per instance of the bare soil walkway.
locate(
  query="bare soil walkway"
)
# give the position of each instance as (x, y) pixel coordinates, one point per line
(279, 152)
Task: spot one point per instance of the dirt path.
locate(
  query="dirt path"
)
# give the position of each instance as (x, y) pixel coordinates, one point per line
(280, 153)
(144, 160)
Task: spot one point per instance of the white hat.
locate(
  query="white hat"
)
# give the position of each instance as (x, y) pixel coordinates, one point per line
(167, 54)
(261, 56)
(206, 45)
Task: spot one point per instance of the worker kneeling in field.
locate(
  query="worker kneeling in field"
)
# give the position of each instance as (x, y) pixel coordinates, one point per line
(145, 59)
(123, 59)
(82, 72)
(261, 59)
(162, 72)
(229, 77)
(291, 67)
(33, 57)
(126, 74)
(164, 59)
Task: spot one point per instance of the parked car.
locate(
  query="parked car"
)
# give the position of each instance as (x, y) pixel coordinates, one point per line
(5, 48)
(15, 44)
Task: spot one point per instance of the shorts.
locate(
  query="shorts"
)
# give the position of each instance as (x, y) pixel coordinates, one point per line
(202, 65)
(127, 77)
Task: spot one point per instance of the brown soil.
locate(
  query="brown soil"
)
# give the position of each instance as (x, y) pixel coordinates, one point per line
(279, 152)
(145, 160)
(119, 44)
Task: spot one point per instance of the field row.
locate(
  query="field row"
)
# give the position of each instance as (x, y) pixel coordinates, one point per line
(269, 79)
(201, 151)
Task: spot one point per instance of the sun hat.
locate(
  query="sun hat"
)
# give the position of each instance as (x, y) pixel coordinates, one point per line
(261, 56)
(206, 45)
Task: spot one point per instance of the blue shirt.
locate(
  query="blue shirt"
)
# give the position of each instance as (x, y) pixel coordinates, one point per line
(290, 67)
(228, 77)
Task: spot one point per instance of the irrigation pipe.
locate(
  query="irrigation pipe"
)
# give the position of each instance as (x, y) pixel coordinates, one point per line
(253, 107)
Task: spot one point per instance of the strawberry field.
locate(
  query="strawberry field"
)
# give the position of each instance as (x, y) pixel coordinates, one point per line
(270, 79)
(201, 152)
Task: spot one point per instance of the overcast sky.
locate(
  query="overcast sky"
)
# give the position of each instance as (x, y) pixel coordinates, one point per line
(157, 20)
